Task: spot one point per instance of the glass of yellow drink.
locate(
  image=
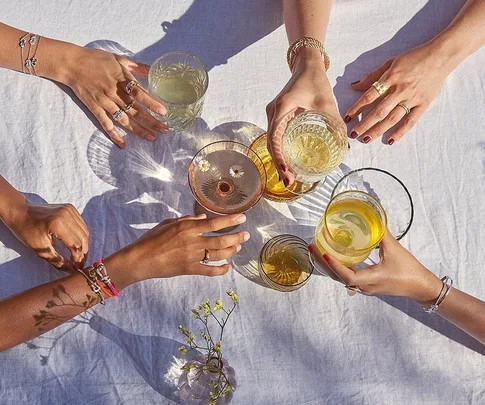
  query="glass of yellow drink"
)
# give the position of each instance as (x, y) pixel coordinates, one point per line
(179, 81)
(354, 223)
(285, 263)
(275, 190)
(314, 143)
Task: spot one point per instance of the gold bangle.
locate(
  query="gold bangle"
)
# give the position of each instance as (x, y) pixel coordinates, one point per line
(306, 42)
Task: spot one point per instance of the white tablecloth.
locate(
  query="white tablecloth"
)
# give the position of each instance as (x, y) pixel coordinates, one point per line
(314, 346)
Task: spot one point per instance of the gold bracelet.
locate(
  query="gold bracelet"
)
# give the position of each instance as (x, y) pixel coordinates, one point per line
(306, 42)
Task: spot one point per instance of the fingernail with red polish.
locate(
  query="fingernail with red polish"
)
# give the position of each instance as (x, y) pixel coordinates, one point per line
(310, 248)
(354, 134)
(390, 142)
(286, 182)
(366, 139)
(347, 118)
(327, 258)
(358, 81)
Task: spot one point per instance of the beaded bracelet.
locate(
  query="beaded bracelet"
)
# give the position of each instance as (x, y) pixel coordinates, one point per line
(306, 42)
(99, 281)
(445, 290)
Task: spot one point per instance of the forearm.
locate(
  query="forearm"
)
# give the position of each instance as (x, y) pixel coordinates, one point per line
(12, 202)
(51, 54)
(466, 312)
(306, 18)
(464, 36)
(36, 311)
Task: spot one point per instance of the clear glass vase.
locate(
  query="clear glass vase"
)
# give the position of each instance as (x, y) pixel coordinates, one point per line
(195, 385)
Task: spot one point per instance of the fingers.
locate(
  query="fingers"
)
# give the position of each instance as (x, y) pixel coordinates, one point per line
(126, 121)
(139, 94)
(108, 126)
(378, 114)
(223, 254)
(225, 241)
(365, 100)
(407, 123)
(218, 223)
(71, 230)
(211, 271)
(284, 111)
(394, 117)
(51, 255)
(138, 113)
(325, 265)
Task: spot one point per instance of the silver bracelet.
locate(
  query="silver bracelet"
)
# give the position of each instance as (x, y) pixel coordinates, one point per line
(22, 46)
(29, 63)
(445, 290)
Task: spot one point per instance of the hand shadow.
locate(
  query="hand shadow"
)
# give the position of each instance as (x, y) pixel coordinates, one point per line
(154, 357)
(425, 24)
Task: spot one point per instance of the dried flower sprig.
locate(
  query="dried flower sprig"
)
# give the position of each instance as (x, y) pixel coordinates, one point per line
(221, 386)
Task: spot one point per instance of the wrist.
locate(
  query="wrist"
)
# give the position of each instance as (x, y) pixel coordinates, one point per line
(447, 52)
(13, 208)
(54, 57)
(309, 58)
(121, 267)
(430, 287)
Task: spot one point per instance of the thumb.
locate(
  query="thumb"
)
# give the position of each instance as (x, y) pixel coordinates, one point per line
(371, 77)
(276, 129)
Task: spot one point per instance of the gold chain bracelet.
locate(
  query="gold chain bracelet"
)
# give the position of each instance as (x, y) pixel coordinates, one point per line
(306, 42)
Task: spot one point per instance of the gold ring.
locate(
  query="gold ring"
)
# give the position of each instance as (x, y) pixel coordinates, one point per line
(406, 108)
(381, 88)
(206, 258)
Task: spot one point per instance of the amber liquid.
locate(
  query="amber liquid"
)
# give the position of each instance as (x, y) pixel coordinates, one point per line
(275, 190)
(282, 267)
(353, 229)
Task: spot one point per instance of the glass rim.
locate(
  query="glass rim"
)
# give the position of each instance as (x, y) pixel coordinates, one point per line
(234, 143)
(206, 74)
(368, 248)
(309, 257)
(411, 220)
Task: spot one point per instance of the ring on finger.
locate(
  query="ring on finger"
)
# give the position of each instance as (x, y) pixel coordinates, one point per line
(380, 87)
(129, 106)
(206, 258)
(406, 108)
(117, 115)
(130, 85)
(353, 288)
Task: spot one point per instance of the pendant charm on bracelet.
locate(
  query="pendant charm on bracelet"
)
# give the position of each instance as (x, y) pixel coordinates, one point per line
(445, 290)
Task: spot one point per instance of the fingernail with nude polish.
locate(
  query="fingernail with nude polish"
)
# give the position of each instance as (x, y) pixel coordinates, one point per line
(347, 118)
(241, 219)
(358, 81)
(366, 139)
(354, 134)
